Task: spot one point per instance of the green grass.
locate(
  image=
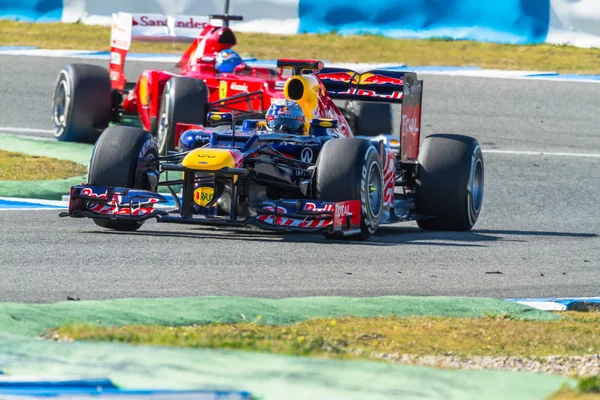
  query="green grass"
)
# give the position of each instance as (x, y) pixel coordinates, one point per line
(21, 167)
(330, 47)
(359, 337)
(587, 389)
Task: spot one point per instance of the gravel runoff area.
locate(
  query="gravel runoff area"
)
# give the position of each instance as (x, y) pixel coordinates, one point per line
(581, 366)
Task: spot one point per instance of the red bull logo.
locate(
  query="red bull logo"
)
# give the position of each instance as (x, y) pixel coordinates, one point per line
(376, 79)
(344, 77)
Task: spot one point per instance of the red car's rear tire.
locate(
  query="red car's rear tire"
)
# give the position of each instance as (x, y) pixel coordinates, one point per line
(184, 100)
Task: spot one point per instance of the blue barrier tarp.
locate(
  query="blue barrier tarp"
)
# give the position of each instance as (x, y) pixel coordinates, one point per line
(506, 21)
(35, 388)
(31, 10)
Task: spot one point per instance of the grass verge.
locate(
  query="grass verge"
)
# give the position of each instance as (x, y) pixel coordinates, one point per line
(364, 337)
(587, 389)
(330, 47)
(577, 333)
(21, 167)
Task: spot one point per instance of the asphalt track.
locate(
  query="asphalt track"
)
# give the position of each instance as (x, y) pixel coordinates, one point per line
(538, 234)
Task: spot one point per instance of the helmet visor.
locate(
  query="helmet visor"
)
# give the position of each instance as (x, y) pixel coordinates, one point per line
(287, 125)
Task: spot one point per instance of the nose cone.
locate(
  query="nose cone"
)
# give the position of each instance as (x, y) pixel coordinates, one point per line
(207, 159)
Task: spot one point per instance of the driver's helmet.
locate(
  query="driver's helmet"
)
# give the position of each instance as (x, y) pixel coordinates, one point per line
(285, 116)
(227, 60)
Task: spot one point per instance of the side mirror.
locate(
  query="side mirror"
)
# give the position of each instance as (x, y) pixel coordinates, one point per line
(323, 123)
(221, 118)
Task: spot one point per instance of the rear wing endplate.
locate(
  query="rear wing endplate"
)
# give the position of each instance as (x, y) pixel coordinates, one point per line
(385, 87)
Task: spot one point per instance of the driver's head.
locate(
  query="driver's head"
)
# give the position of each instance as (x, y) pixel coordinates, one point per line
(285, 116)
(227, 60)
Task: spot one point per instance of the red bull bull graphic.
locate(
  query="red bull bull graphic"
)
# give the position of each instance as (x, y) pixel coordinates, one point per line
(377, 79)
(342, 77)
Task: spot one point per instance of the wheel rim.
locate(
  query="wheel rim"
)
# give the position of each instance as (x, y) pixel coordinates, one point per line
(375, 189)
(61, 104)
(477, 185)
(163, 123)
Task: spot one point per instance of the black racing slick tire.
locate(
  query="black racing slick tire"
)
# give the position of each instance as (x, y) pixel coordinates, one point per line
(369, 119)
(350, 169)
(82, 103)
(449, 184)
(184, 100)
(116, 163)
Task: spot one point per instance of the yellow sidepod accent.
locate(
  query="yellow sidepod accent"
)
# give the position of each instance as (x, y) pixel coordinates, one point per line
(206, 159)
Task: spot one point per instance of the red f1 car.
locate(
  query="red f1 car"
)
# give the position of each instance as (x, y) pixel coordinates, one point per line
(324, 180)
(88, 98)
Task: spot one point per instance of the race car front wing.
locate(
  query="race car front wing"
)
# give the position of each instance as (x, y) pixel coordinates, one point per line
(98, 202)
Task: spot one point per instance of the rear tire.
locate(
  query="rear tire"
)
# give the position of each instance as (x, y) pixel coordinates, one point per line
(346, 170)
(450, 182)
(82, 103)
(369, 119)
(115, 163)
(184, 100)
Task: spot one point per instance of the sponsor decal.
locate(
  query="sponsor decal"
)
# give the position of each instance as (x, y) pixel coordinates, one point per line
(149, 20)
(414, 88)
(115, 76)
(115, 58)
(313, 207)
(203, 195)
(120, 35)
(306, 155)
(371, 93)
(147, 145)
(409, 125)
(373, 79)
(339, 76)
(389, 179)
(189, 26)
(242, 87)
(222, 89)
(190, 23)
(342, 210)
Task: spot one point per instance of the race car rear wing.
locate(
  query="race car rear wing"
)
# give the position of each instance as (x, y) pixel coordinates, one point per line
(157, 27)
(375, 85)
(386, 87)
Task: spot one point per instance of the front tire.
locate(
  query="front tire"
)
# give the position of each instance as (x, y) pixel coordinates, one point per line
(116, 163)
(449, 184)
(82, 103)
(350, 169)
(184, 100)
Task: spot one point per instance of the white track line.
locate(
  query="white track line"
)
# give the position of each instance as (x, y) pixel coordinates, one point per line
(492, 151)
(56, 203)
(543, 153)
(25, 130)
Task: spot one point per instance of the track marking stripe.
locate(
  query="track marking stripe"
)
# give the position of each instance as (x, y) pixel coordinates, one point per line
(543, 153)
(25, 130)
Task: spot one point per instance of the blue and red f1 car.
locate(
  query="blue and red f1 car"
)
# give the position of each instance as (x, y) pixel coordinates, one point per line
(325, 181)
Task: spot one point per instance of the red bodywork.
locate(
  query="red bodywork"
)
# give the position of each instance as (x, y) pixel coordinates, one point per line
(198, 62)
